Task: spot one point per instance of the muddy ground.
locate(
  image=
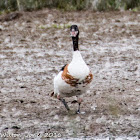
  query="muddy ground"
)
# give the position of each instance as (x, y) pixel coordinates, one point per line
(33, 48)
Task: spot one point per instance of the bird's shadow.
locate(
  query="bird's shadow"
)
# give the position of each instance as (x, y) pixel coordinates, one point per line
(72, 112)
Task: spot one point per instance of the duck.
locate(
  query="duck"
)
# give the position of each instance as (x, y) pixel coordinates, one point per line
(74, 78)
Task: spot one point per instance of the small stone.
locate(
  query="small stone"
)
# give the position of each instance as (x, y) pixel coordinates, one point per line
(65, 118)
(78, 119)
(15, 127)
(56, 117)
(137, 89)
(87, 127)
(23, 87)
(6, 128)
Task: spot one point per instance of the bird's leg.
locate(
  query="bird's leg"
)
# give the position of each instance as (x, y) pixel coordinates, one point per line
(65, 104)
(79, 103)
(78, 111)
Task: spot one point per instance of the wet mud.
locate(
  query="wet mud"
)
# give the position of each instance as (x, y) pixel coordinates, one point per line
(35, 46)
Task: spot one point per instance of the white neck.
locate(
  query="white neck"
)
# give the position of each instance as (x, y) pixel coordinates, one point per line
(77, 57)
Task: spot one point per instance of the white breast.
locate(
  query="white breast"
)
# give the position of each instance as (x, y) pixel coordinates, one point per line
(66, 90)
(78, 68)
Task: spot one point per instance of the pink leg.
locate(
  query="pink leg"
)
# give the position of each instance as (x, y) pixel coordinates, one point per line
(79, 103)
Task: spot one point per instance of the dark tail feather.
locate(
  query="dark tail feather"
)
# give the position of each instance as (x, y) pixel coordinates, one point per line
(52, 94)
(63, 67)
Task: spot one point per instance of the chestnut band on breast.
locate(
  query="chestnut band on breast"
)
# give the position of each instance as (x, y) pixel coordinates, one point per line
(73, 81)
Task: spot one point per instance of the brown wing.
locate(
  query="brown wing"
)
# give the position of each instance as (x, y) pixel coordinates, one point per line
(68, 78)
(89, 78)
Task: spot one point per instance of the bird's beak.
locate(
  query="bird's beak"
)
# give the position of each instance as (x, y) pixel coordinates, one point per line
(73, 33)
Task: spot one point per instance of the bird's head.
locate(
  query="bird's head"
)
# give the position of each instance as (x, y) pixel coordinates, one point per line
(74, 31)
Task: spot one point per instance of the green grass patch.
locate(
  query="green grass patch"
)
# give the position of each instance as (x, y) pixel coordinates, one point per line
(56, 26)
(61, 26)
(70, 5)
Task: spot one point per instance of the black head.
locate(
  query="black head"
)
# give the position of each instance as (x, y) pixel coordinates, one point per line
(74, 31)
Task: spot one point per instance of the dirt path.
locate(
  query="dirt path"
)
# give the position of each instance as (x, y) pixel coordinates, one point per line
(36, 45)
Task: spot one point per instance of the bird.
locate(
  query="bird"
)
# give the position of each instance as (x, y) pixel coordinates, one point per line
(74, 78)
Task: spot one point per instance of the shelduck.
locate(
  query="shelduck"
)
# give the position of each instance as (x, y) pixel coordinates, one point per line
(75, 77)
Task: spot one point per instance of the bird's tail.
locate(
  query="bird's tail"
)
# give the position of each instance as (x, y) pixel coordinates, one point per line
(52, 94)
